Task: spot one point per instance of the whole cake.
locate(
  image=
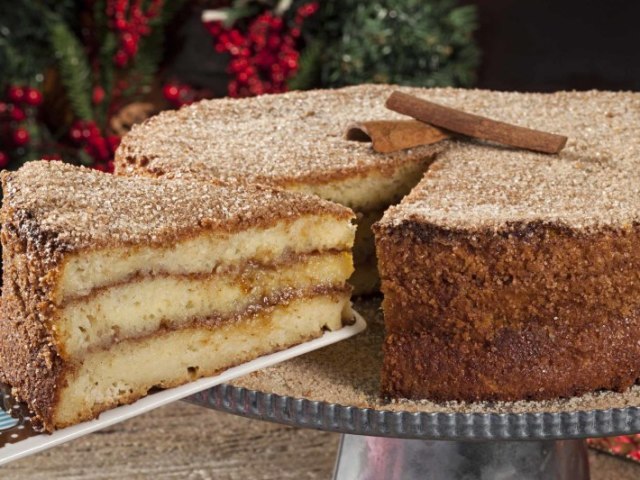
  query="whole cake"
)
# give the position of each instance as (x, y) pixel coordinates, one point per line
(113, 286)
(294, 141)
(507, 274)
(512, 275)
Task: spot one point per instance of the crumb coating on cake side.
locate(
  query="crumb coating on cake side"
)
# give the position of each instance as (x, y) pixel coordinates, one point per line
(510, 274)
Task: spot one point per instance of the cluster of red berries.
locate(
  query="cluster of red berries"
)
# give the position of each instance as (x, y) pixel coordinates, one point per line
(99, 147)
(265, 56)
(22, 101)
(131, 23)
(625, 445)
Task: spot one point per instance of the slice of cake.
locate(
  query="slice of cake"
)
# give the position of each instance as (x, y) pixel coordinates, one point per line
(295, 141)
(512, 275)
(113, 286)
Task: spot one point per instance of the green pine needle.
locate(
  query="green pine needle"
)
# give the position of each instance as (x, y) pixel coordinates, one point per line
(308, 67)
(412, 42)
(74, 68)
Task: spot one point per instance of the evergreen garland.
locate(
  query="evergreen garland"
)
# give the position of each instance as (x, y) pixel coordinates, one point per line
(106, 51)
(309, 66)
(74, 68)
(149, 55)
(411, 42)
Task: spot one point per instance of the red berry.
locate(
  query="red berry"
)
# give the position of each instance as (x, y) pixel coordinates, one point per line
(276, 23)
(17, 114)
(110, 166)
(171, 92)
(120, 24)
(98, 94)
(232, 88)
(120, 58)
(86, 133)
(308, 9)
(129, 44)
(4, 108)
(92, 128)
(100, 145)
(33, 97)
(100, 167)
(235, 37)
(243, 77)
(214, 28)
(4, 160)
(136, 12)
(16, 93)
(288, 41)
(20, 136)
(274, 42)
(114, 142)
(76, 134)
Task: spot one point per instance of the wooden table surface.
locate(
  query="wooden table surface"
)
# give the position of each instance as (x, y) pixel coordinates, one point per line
(190, 442)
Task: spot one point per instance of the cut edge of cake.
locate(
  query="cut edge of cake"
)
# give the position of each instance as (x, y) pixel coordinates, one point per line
(48, 339)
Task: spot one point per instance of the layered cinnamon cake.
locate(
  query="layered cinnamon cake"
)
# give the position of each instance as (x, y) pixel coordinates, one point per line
(295, 141)
(509, 274)
(114, 286)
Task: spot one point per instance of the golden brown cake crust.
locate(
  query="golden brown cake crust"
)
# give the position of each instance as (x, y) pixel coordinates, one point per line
(510, 274)
(282, 140)
(534, 311)
(25, 336)
(71, 208)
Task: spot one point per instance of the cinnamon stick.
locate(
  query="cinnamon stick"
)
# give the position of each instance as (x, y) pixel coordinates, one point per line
(389, 136)
(474, 125)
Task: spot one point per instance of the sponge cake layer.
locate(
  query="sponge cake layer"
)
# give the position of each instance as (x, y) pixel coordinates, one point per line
(138, 308)
(204, 253)
(128, 370)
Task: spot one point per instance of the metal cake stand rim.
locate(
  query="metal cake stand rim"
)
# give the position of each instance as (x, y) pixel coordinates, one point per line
(320, 415)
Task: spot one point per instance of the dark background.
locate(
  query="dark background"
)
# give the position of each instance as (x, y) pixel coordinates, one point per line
(544, 45)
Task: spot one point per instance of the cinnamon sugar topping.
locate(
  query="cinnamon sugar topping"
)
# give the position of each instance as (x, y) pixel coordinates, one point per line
(79, 207)
(285, 139)
(594, 181)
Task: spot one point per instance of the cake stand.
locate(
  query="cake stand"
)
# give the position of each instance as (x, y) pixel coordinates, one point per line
(408, 443)
(378, 444)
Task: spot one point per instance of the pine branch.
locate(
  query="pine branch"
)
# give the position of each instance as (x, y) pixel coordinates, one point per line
(74, 68)
(308, 67)
(151, 51)
(107, 72)
(24, 45)
(413, 42)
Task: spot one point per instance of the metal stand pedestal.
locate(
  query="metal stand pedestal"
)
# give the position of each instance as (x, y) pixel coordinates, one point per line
(379, 458)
